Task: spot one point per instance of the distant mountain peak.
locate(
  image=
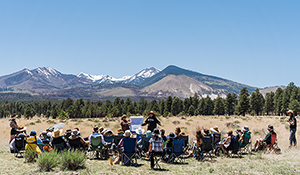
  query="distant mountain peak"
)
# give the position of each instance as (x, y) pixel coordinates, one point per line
(134, 79)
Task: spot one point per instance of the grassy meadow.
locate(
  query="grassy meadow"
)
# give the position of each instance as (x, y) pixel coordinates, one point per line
(257, 163)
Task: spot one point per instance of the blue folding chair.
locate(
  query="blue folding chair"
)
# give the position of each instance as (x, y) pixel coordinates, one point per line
(207, 147)
(177, 152)
(19, 146)
(129, 153)
(108, 140)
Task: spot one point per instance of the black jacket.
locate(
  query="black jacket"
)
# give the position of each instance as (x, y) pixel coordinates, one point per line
(152, 123)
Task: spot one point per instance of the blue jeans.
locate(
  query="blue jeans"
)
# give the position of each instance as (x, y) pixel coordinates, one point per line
(293, 136)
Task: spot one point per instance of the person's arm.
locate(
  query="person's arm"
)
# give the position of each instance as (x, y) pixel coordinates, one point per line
(157, 121)
(90, 139)
(242, 138)
(120, 143)
(146, 122)
(103, 141)
(267, 137)
(292, 122)
(226, 141)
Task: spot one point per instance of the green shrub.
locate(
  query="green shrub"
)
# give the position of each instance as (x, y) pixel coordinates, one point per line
(48, 160)
(73, 160)
(30, 156)
(38, 121)
(96, 121)
(79, 121)
(89, 120)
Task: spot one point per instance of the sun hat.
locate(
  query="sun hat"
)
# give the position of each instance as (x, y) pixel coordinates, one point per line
(246, 128)
(21, 128)
(270, 127)
(238, 130)
(127, 133)
(75, 132)
(107, 131)
(151, 112)
(215, 129)
(155, 132)
(13, 116)
(140, 130)
(120, 131)
(290, 111)
(172, 135)
(124, 116)
(101, 129)
(57, 133)
(148, 134)
(76, 128)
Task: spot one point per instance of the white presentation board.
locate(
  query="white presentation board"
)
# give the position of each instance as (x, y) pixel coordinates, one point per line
(136, 122)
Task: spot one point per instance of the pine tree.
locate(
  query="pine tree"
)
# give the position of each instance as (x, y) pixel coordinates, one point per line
(191, 110)
(209, 106)
(186, 105)
(295, 106)
(154, 106)
(195, 100)
(257, 102)
(162, 107)
(168, 104)
(243, 104)
(201, 107)
(269, 103)
(176, 106)
(219, 106)
(230, 104)
(278, 100)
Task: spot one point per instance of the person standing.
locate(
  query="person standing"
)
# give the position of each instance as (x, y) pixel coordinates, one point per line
(155, 146)
(151, 121)
(14, 126)
(293, 128)
(125, 125)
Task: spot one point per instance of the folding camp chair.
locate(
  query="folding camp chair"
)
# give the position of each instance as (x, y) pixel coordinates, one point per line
(245, 146)
(96, 147)
(272, 146)
(109, 140)
(129, 153)
(144, 147)
(59, 147)
(157, 158)
(19, 146)
(177, 152)
(185, 143)
(207, 147)
(233, 148)
(76, 144)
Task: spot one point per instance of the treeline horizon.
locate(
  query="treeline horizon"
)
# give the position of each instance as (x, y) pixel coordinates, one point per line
(245, 103)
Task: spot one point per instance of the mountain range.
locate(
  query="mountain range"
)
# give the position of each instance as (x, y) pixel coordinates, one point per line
(150, 83)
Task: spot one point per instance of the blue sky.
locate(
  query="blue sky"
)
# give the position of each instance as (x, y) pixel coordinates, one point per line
(252, 42)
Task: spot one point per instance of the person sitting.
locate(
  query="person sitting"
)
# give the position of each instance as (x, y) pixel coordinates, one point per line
(127, 134)
(43, 135)
(225, 145)
(46, 146)
(216, 136)
(162, 134)
(49, 134)
(120, 132)
(21, 133)
(108, 133)
(197, 143)
(206, 132)
(32, 143)
(167, 148)
(125, 125)
(58, 142)
(67, 135)
(97, 134)
(14, 126)
(155, 146)
(245, 134)
(177, 131)
(76, 141)
(148, 135)
(38, 140)
(258, 145)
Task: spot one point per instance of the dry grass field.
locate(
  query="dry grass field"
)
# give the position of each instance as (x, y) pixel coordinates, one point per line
(257, 163)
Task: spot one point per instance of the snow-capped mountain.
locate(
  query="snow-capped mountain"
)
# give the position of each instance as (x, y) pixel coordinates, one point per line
(134, 79)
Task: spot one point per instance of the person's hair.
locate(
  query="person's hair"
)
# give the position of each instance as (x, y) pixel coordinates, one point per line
(95, 129)
(198, 135)
(177, 130)
(229, 132)
(162, 132)
(292, 114)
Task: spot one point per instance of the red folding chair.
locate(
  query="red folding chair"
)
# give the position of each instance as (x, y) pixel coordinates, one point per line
(270, 146)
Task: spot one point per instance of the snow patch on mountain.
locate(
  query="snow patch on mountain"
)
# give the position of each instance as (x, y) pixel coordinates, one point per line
(134, 79)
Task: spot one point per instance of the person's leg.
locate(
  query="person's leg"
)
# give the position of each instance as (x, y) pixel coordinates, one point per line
(293, 136)
(223, 148)
(152, 160)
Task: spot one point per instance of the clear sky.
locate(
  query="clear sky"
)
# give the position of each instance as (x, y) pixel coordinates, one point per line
(253, 42)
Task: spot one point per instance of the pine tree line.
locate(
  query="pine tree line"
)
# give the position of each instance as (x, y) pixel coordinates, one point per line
(255, 104)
